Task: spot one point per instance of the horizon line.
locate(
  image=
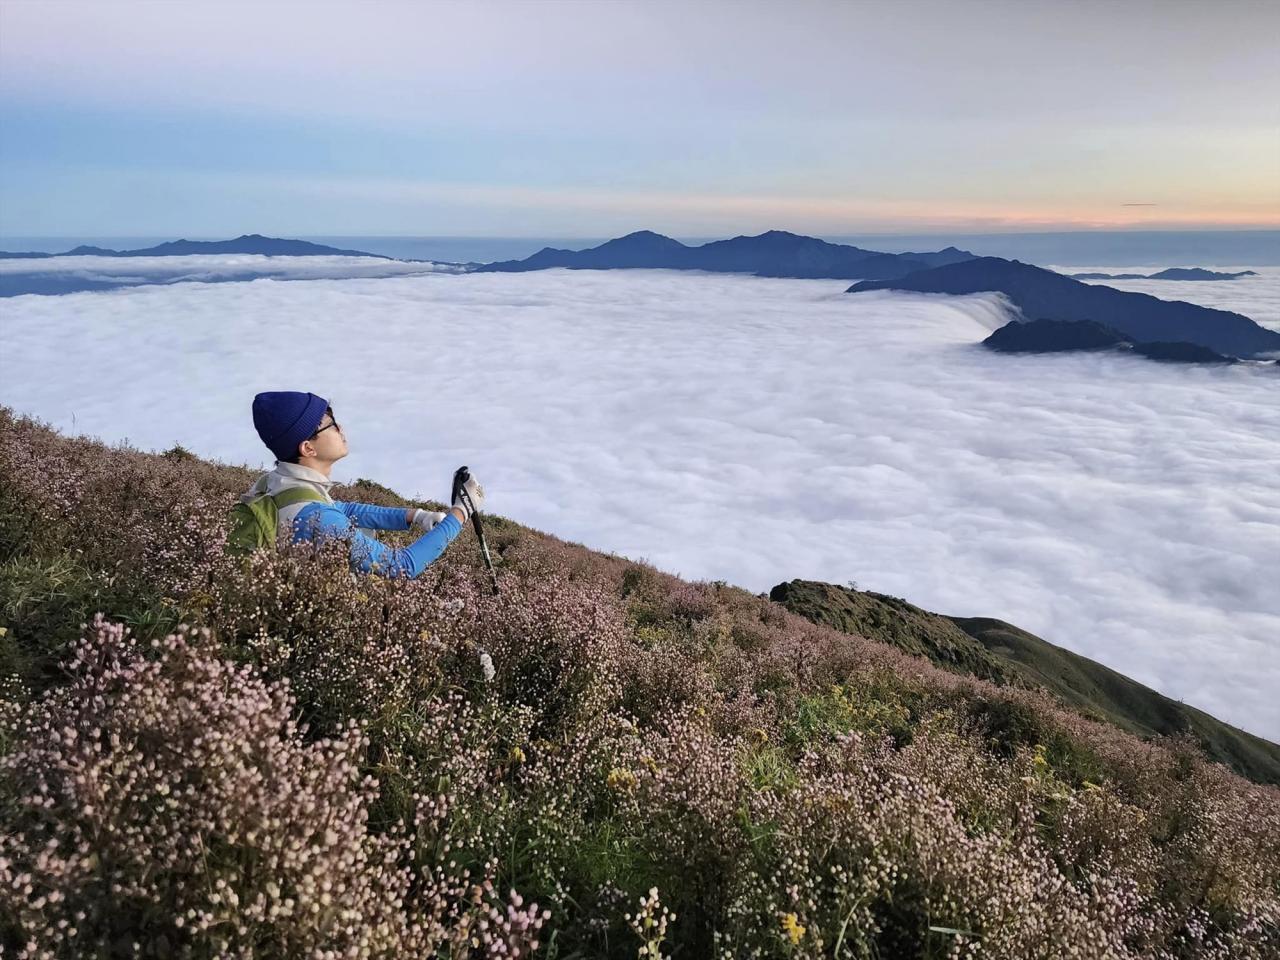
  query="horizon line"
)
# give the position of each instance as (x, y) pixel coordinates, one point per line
(584, 236)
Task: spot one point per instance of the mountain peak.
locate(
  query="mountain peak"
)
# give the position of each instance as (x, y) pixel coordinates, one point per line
(644, 238)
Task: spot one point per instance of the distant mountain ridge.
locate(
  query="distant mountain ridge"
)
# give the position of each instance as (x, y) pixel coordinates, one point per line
(1173, 273)
(57, 274)
(249, 243)
(1041, 294)
(775, 253)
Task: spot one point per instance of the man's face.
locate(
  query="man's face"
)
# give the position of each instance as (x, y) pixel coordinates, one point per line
(328, 443)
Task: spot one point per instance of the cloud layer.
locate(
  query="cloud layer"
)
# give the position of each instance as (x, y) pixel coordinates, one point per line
(749, 430)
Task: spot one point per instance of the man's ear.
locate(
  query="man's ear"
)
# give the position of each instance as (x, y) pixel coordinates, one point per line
(306, 449)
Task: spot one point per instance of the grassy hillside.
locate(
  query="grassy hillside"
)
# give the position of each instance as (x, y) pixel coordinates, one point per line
(1102, 692)
(1000, 652)
(203, 756)
(892, 620)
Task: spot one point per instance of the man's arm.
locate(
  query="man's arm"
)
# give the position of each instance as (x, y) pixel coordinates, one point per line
(372, 517)
(319, 521)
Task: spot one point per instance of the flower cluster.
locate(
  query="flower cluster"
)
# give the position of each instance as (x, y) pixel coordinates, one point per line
(173, 799)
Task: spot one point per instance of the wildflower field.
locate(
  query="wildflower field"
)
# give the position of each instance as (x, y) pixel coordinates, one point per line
(203, 756)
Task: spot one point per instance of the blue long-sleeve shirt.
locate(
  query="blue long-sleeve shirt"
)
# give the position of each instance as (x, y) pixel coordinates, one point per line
(318, 521)
(322, 518)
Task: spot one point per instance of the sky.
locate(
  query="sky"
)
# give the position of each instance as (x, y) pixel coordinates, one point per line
(207, 119)
(1122, 508)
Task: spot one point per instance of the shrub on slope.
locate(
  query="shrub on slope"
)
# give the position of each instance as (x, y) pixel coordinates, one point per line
(172, 805)
(659, 764)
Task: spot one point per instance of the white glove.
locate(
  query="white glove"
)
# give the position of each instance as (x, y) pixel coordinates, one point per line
(424, 520)
(475, 492)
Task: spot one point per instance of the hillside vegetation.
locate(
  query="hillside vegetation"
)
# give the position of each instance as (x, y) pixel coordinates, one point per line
(202, 756)
(1003, 653)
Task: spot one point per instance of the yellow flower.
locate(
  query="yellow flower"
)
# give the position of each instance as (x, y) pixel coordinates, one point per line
(620, 779)
(792, 928)
(516, 755)
(1040, 760)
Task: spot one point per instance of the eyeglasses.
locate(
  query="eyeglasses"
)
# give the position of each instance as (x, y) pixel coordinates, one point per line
(331, 423)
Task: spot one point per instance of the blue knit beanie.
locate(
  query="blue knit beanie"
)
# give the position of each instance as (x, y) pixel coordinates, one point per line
(284, 419)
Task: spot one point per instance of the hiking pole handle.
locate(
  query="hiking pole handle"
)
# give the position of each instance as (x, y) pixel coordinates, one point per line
(460, 478)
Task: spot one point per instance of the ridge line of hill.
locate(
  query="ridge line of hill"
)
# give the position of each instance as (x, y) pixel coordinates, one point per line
(1002, 653)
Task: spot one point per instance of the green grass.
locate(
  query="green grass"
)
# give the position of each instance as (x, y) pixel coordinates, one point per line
(1101, 692)
(998, 651)
(894, 621)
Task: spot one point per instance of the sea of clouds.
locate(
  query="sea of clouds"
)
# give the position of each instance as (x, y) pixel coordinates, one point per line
(751, 430)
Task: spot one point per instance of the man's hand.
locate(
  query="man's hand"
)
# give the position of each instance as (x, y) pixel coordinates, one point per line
(475, 492)
(424, 520)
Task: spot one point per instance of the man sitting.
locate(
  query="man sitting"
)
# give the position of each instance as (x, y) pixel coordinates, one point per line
(307, 441)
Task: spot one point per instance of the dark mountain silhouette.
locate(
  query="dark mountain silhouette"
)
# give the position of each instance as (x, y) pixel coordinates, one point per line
(248, 243)
(54, 284)
(87, 251)
(80, 251)
(1059, 336)
(1180, 353)
(644, 248)
(643, 245)
(1044, 295)
(940, 258)
(775, 253)
(1054, 336)
(1173, 273)
(880, 266)
(1109, 276)
(1198, 273)
(1002, 653)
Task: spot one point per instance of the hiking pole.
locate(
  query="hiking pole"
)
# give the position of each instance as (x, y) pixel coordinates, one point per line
(460, 477)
